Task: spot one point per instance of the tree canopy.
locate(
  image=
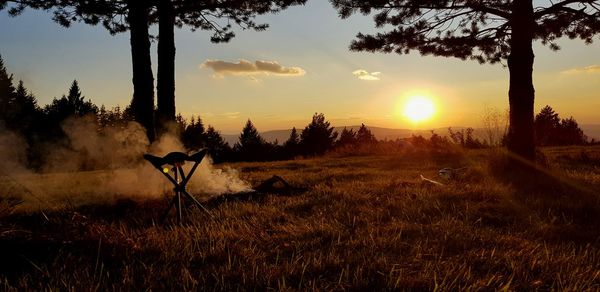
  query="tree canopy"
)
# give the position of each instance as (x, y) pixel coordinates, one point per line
(479, 30)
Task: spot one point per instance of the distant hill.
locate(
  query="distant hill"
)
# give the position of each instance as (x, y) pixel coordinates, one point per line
(592, 131)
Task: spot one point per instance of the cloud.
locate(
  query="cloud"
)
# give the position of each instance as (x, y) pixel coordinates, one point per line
(593, 69)
(228, 115)
(365, 75)
(245, 68)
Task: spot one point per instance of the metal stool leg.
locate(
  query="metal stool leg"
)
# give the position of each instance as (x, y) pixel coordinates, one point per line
(171, 204)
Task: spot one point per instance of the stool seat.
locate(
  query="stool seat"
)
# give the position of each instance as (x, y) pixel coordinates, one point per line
(174, 158)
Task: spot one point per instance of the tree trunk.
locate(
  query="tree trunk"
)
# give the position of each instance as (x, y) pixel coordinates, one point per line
(166, 64)
(521, 93)
(142, 104)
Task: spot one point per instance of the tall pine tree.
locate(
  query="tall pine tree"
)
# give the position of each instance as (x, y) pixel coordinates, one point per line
(251, 146)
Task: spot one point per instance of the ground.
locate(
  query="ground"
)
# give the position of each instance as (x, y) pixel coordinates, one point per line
(358, 223)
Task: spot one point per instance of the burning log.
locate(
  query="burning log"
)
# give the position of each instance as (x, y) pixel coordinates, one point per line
(275, 185)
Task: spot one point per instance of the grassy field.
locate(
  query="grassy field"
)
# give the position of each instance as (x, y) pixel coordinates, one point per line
(359, 223)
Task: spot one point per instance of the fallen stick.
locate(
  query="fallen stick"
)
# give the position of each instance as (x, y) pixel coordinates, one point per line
(432, 181)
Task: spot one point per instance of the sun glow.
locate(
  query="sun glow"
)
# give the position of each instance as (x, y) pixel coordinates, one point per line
(418, 109)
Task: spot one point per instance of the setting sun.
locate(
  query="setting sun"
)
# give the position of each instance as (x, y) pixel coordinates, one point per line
(418, 109)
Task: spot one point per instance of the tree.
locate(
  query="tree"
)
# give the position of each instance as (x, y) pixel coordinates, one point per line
(193, 136)
(551, 130)
(546, 124)
(215, 16)
(165, 86)
(318, 136)
(25, 111)
(251, 145)
(486, 31)
(19, 111)
(114, 117)
(570, 134)
(142, 103)
(437, 142)
(470, 141)
(72, 104)
(494, 125)
(218, 149)
(465, 138)
(347, 138)
(291, 147)
(457, 137)
(116, 16)
(364, 136)
(76, 101)
(7, 92)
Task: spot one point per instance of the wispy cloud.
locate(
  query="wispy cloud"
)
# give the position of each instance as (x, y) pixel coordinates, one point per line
(593, 69)
(365, 75)
(228, 115)
(246, 68)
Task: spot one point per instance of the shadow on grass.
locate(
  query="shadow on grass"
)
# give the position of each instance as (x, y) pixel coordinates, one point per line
(568, 208)
(37, 243)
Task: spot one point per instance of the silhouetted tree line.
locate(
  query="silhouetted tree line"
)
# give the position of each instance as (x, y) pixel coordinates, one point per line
(317, 138)
(551, 130)
(43, 126)
(466, 139)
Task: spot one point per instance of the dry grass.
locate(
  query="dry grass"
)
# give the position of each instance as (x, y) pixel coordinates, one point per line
(364, 223)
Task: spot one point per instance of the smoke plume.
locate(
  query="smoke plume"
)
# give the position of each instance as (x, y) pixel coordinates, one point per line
(98, 166)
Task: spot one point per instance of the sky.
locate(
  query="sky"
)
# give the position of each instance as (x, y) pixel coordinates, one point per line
(301, 65)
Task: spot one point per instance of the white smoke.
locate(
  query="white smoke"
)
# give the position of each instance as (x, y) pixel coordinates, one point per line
(13, 152)
(68, 177)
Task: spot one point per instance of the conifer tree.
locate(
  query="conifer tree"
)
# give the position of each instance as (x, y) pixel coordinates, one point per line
(218, 149)
(73, 104)
(25, 112)
(318, 136)
(291, 147)
(7, 91)
(551, 130)
(569, 133)
(347, 138)
(546, 124)
(364, 136)
(251, 146)
(193, 135)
